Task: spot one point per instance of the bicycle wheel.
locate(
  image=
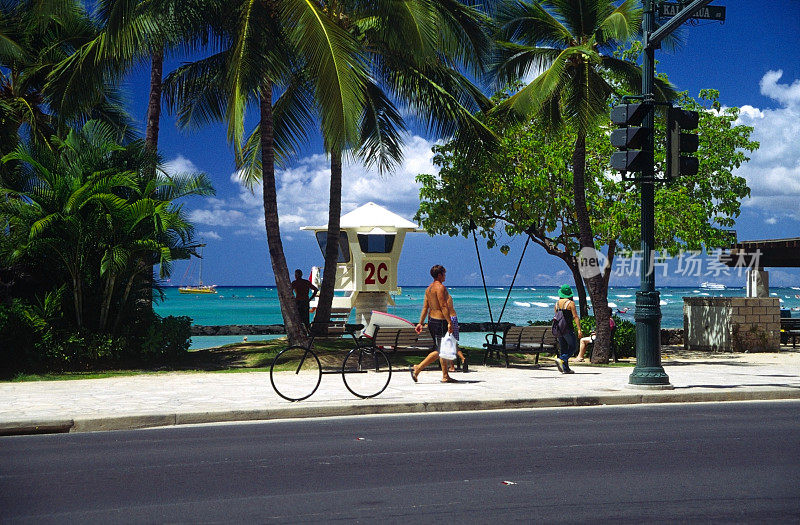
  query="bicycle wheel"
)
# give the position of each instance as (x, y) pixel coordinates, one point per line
(295, 373)
(366, 372)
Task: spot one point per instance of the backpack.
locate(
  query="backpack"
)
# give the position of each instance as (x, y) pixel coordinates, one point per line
(559, 324)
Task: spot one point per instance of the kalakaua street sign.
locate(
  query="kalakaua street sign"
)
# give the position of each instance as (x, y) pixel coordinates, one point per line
(709, 12)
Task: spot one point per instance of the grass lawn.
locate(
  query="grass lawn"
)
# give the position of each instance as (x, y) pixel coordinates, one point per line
(255, 356)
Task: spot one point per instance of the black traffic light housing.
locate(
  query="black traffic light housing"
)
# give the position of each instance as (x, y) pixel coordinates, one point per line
(679, 143)
(631, 139)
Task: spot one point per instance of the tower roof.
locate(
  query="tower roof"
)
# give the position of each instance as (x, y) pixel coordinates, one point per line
(370, 215)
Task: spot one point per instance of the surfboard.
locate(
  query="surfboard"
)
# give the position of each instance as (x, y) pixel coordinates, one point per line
(387, 320)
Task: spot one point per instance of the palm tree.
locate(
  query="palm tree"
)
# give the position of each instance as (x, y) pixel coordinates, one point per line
(35, 37)
(415, 54)
(132, 30)
(265, 43)
(568, 44)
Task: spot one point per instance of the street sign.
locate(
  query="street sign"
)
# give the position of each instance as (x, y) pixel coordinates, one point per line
(709, 12)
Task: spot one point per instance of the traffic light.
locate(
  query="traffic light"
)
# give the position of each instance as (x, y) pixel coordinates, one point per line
(631, 139)
(679, 143)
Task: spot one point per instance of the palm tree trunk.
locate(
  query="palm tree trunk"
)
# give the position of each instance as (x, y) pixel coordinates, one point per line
(154, 103)
(76, 301)
(332, 247)
(597, 291)
(291, 317)
(125, 296)
(151, 141)
(106, 304)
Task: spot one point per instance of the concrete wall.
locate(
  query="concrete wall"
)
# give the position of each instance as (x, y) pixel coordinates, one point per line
(732, 324)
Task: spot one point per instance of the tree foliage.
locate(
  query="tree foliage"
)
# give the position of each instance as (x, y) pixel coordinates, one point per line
(524, 188)
(87, 210)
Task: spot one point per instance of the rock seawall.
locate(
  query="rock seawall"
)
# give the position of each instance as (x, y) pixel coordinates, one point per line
(238, 329)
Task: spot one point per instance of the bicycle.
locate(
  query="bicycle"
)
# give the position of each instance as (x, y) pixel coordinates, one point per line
(296, 372)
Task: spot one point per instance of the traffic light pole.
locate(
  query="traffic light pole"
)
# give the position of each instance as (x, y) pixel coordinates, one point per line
(648, 372)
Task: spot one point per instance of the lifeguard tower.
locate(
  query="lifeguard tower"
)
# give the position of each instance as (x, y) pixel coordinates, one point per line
(370, 243)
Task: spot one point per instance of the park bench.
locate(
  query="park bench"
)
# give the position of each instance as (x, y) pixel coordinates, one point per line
(395, 340)
(520, 339)
(790, 328)
(337, 325)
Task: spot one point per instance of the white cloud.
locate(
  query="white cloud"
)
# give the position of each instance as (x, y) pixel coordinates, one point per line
(303, 192)
(180, 164)
(216, 217)
(209, 235)
(771, 220)
(787, 94)
(773, 172)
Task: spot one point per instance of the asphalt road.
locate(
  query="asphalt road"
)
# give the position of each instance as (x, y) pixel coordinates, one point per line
(726, 462)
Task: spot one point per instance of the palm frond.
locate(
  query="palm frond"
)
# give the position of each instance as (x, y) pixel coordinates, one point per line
(512, 61)
(336, 59)
(622, 24)
(196, 91)
(381, 131)
(530, 24)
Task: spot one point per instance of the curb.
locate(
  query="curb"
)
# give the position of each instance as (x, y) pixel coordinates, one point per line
(133, 422)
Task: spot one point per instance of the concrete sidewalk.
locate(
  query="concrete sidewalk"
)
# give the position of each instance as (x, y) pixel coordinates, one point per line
(150, 400)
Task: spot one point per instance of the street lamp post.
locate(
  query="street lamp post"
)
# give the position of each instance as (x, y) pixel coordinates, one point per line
(648, 372)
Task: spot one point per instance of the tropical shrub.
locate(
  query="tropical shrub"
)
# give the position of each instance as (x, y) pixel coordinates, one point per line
(25, 337)
(624, 335)
(166, 338)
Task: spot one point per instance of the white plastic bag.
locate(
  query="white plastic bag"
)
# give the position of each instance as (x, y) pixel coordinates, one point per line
(448, 347)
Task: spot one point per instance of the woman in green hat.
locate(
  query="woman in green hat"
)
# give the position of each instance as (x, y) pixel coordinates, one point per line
(567, 343)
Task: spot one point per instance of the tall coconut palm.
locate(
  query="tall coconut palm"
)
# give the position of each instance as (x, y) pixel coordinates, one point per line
(415, 49)
(568, 45)
(132, 30)
(264, 43)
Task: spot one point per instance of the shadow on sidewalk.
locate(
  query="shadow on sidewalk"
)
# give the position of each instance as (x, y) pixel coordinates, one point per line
(726, 363)
(738, 386)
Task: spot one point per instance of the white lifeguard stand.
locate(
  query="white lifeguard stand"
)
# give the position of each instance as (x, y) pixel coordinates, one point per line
(370, 243)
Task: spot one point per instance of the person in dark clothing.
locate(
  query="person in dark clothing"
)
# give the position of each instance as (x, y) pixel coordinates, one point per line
(301, 287)
(567, 343)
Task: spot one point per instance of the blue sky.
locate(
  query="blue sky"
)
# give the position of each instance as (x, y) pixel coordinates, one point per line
(753, 59)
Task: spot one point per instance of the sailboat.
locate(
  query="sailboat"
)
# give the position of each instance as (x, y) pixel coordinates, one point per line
(200, 288)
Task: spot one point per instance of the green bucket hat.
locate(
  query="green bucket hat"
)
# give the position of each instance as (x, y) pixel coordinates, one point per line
(565, 292)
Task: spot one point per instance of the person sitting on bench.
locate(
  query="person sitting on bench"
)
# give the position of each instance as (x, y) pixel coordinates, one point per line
(585, 341)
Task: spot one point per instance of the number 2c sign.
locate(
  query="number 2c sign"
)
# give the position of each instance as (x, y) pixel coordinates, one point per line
(372, 273)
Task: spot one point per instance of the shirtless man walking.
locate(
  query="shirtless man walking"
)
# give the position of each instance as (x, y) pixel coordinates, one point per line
(435, 307)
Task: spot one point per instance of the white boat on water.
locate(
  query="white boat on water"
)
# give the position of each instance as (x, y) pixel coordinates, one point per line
(711, 286)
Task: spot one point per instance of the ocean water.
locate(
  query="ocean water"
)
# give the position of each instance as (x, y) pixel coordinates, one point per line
(259, 305)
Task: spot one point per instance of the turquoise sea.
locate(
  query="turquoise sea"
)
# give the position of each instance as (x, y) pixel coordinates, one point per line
(259, 305)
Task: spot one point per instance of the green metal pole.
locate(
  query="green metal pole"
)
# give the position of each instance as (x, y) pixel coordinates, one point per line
(648, 371)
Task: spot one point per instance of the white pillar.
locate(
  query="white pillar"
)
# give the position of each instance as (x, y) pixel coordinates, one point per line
(757, 283)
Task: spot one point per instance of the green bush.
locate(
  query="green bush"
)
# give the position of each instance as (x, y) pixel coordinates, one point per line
(25, 338)
(165, 338)
(85, 350)
(624, 335)
(30, 341)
